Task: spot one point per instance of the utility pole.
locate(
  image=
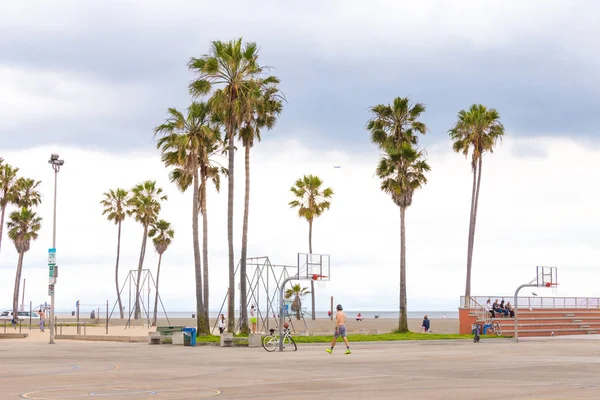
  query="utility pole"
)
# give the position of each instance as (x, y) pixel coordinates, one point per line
(56, 164)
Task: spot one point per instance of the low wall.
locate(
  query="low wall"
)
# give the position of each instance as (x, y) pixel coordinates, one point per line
(107, 338)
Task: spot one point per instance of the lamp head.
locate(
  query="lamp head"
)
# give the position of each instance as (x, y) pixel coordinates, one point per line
(53, 157)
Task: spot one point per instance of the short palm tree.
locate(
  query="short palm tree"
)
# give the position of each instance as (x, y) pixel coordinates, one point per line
(395, 123)
(297, 292)
(231, 67)
(477, 131)
(402, 170)
(311, 201)
(26, 193)
(115, 205)
(263, 106)
(186, 143)
(144, 205)
(23, 227)
(162, 235)
(8, 179)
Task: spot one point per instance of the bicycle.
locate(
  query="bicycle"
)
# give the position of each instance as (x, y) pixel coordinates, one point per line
(271, 341)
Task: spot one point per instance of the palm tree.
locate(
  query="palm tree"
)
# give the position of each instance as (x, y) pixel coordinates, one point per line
(187, 142)
(162, 235)
(396, 123)
(477, 131)
(115, 205)
(8, 178)
(232, 67)
(144, 205)
(23, 227)
(263, 106)
(402, 170)
(26, 193)
(311, 203)
(297, 293)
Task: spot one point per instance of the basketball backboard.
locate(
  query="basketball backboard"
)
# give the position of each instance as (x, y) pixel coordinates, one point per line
(314, 266)
(546, 276)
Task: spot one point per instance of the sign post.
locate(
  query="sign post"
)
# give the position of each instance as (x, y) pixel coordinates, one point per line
(52, 273)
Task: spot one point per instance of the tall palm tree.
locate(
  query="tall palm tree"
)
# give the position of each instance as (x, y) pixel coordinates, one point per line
(162, 235)
(26, 193)
(144, 204)
(115, 205)
(396, 123)
(297, 292)
(8, 178)
(477, 131)
(311, 202)
(231, 67)
(263, 105)
(402, 170)
(23, 227)
(186, 143)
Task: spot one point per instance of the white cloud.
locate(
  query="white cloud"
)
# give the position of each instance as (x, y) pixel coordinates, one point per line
(30, 95)
(533, 211)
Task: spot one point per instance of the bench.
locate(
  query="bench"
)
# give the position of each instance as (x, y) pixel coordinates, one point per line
(163, 334)
(228, 340)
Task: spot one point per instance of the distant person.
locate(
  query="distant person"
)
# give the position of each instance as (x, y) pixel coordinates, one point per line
(329, 313)
(93, 314)
(340, 329)
(503, 309)
(496, 307)
(222, 324)
(426, 325)
(444, 315)
(42, 320)
(253, 318)
(359, 317)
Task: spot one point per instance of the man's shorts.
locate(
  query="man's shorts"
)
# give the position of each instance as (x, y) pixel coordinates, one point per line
(340, 332)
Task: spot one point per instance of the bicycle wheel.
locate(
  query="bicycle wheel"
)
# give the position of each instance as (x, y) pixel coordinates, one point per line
(270, 343)
(497, 328)
(289, 341)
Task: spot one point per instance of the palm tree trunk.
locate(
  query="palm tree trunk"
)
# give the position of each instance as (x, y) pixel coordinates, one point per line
(156, 294)
(243, 288)
(474, 223)
(117, 272)
(403, 326)
(470, 238)
(312, 282)
(230, 175)
(203, 207)
(139, 277)
(17, 286)
(2, 224)
(201, 323)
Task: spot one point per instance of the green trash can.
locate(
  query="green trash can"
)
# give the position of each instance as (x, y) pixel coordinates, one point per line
(189, 337)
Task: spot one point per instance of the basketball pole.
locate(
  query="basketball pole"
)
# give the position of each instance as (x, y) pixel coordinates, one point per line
(516, 305)
(331, 309)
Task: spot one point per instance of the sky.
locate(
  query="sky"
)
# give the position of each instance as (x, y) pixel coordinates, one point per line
(90, 81)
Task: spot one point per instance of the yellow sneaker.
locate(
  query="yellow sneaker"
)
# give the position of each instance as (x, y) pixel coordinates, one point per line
(329, 351)
(348, 352)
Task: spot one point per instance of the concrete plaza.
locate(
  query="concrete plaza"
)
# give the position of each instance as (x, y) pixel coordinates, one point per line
(553, 368)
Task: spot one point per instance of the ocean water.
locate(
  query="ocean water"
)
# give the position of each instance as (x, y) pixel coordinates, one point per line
(320, 314)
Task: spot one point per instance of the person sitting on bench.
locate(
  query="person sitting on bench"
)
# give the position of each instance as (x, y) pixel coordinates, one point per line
(503, 309)
(510, 310)
(488, 308)
(496, 308)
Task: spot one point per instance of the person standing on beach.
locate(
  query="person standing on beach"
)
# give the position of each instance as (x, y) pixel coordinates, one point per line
(42, 320)
(253, 318)
(340, 329)
(222, 324)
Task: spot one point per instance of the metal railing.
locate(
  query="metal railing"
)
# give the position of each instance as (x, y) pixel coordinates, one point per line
(535, 302)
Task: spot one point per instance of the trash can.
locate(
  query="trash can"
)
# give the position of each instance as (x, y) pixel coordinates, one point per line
(485, 328)
(189, 337)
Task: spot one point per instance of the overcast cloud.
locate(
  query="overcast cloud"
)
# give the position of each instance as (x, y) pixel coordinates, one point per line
(90, 80)
(124, 63)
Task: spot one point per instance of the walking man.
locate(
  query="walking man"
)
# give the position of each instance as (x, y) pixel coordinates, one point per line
(340, 329)
(42, 320)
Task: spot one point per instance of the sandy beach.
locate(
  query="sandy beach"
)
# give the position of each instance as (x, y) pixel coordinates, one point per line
(139, 328)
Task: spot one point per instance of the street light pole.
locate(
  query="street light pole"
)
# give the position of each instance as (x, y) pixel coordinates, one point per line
(56, 164)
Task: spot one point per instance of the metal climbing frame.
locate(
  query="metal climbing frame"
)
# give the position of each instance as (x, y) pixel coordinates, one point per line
(146, 281)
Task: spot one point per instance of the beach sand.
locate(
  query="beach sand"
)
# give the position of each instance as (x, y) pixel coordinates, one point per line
(321, 326)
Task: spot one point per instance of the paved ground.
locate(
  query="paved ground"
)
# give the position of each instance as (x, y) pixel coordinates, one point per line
(549, 369)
